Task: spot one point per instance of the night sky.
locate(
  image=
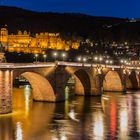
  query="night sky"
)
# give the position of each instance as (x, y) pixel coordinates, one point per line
(115, 8)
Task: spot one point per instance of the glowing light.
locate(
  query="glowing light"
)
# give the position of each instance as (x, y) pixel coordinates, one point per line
(19, 133)
(72, 115)
(121, 61)
(124, 71)
(129, 72)
(96, 58)
(111, 61)
(63, 55)
(138, 72)
(138, 114)
(67, 90)
(79, 59)
(98, 127)
(107, 61)
(123, 123)
(55, 54)
(84, 59)
(99, 70)
(113, 120)
(100, 59)
(36, 55)
(125, 61)
(105, 98)
(27, 95)
(63, 138)
(44, 55)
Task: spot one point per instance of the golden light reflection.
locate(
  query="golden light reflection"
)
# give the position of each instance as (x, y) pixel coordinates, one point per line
(20, 112)
(27, 94)
(123, 123)
(64, 138)
(66, 109)
(138, 113)
(72, 115)
(19, 132)
(98, 126)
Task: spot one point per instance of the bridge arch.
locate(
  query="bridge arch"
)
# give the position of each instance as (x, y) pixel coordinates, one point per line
(42, 89)
(112, 82)
(83, 83)
(82, 80)
(133, 80)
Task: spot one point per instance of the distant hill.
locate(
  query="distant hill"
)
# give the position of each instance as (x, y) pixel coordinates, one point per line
(70, 24)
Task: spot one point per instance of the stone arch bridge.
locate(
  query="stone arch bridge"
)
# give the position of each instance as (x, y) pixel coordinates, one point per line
(48, 80)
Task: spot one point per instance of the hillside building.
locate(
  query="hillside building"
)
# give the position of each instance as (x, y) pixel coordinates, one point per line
(24, 42)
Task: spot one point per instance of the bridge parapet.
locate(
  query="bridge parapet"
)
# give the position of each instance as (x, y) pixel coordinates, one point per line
(62, 63)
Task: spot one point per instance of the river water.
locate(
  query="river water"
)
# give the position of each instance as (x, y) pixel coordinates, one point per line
(113, 116)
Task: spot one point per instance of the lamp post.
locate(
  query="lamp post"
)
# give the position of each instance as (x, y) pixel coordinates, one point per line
(44, 56)
(84, 59)
(79, 59)
(95, 58)
(36, 58)
(107, 61)
(63, 56)
(100, 60)
(111, 62)
(55, 54)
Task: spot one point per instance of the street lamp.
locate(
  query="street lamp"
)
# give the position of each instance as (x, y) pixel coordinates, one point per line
(63, 56)
(95, 58)
(111, 61)
(44, 56)
(79, 59)
(107, 61)
(84, 59)
(122, 61)
(100, 59)
(55, 54)
(36, 58)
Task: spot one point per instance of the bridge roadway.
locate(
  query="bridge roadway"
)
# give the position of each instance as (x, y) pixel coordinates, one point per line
(49, 80)
(61, 63)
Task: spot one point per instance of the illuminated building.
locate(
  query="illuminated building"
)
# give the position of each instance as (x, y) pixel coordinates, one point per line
(24, 42)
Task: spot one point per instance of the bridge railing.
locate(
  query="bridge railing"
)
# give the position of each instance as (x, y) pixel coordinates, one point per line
(60, 63)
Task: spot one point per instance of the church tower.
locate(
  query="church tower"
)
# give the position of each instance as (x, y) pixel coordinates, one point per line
(3, 35)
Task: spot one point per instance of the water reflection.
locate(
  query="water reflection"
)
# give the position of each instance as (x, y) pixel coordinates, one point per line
(6, 128)
(19, 133)
(98, 126)
(112, 116)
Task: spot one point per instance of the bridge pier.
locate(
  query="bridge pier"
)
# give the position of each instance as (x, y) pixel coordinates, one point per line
(6, 78)
(58, 79)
